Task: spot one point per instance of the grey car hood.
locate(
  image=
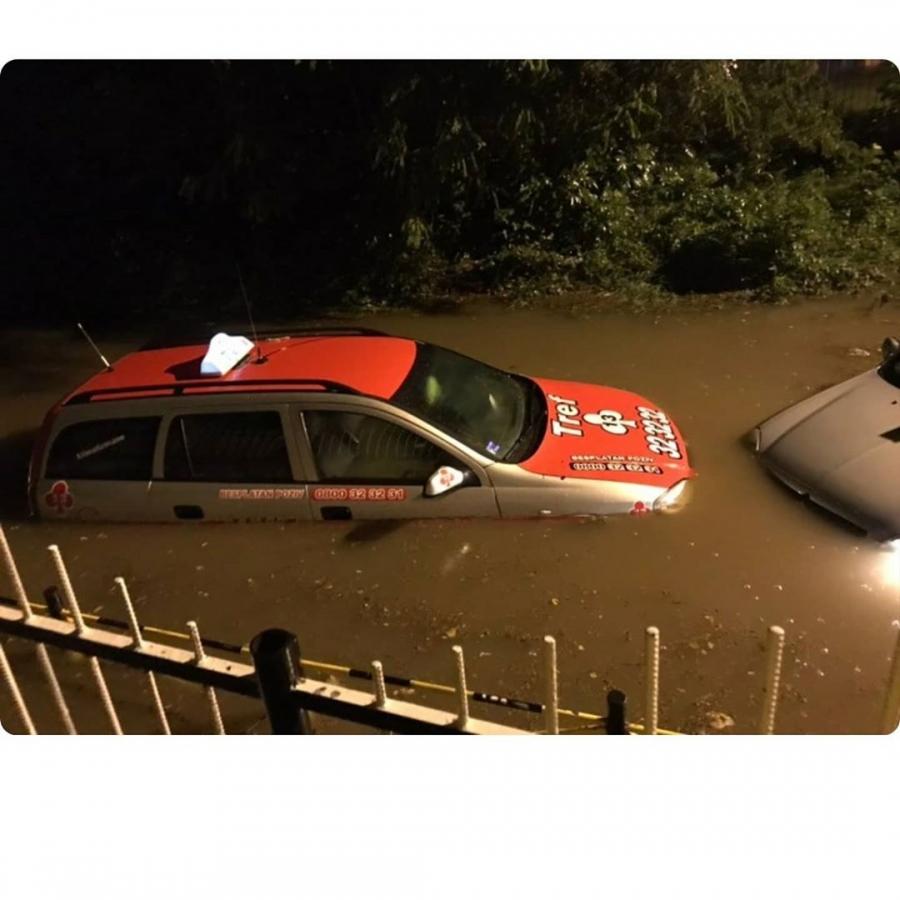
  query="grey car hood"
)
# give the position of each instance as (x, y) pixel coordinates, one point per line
(840, 452)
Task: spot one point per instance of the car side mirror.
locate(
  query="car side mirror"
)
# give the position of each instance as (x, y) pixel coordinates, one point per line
(444, 480)
(890, 349)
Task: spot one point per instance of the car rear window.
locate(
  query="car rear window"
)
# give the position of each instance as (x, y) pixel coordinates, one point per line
(227, 447)
(105, 449)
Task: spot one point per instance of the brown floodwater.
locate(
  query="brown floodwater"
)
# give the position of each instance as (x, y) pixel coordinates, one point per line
(743, 553)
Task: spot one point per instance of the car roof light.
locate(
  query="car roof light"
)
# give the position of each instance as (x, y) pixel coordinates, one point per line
(224, 353)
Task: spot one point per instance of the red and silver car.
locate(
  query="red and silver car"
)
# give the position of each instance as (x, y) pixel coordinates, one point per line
(346, 424)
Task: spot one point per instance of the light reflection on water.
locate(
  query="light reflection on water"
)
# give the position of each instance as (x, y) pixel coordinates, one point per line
(889, 565)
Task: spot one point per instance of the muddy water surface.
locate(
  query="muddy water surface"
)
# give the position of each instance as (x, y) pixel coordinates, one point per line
(743, 554)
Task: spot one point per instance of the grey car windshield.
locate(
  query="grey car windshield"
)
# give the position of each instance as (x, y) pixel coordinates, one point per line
(489, 410)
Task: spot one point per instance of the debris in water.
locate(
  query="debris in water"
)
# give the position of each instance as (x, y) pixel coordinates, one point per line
(858, 351)
(451, 632)
(719, 720)
(554, 601)
(593, 674)
(778, 587)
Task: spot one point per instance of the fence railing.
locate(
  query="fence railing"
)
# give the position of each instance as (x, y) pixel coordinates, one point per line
(275, 674)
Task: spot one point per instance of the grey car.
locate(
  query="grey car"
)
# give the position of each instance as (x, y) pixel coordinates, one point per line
(841, 447)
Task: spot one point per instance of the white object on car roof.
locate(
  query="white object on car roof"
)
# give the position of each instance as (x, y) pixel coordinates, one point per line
(224, 353)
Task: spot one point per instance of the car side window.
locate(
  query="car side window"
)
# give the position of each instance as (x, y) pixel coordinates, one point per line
(105, 449)
(356, 448)
(227, 447)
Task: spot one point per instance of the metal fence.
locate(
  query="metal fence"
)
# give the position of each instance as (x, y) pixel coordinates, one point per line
(270, 670)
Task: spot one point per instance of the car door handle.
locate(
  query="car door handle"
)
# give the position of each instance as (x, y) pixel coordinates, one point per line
(336, 512)
(188, 512)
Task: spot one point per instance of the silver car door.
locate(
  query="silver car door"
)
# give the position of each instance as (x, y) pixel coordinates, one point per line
(231, 463)
(369, 464)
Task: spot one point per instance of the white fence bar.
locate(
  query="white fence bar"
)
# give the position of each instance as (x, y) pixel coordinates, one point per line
(551, 701)
(13, 569)
(13, 687)
(41, 651)
(890, 717)
(55, 689)
(68, 591)
(378, 679)
(462, 695)
(651, 695)
(80, 628)
(774, 656)
(199, 659)
(139, 645)
(105, 696)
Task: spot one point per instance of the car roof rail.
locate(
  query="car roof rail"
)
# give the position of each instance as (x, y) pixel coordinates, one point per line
(338, 330)
(161, 341)
(209, 387)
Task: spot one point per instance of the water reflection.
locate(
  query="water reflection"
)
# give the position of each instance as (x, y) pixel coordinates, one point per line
(889, 564)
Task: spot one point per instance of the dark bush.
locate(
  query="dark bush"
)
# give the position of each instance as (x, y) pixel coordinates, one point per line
(386, 182)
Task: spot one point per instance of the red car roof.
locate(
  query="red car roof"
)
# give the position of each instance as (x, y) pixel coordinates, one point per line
(365, 364)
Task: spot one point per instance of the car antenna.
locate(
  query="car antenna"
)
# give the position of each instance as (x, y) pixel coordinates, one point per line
(259, 356)
(103, 359)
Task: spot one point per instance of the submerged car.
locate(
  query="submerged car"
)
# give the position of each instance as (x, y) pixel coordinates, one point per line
(346, 424)
(841, 447)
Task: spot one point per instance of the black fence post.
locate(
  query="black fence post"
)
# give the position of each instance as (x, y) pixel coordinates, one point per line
(616, 722)
(54, 602)
(276, 657)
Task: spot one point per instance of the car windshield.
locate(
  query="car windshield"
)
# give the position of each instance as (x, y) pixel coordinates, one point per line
(491, 411)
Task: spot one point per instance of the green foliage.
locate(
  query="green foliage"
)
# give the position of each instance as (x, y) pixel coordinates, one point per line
(706, 176)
